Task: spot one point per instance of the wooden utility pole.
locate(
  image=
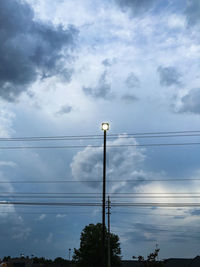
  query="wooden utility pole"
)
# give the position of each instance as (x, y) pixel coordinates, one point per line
(109, 207)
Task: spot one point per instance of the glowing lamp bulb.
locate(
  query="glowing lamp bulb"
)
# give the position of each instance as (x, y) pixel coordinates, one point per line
(105, 126)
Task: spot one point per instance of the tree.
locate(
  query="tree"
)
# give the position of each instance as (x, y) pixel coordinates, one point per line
(151, 259)
(89, 253)
(61, 262)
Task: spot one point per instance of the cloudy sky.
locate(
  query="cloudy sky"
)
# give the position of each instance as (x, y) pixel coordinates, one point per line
(65, 67)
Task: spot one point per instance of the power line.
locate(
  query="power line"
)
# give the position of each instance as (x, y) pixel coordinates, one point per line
(152, 208)
(98, 146)
(155, 204)
(95, 135)
(96, 193)
(94, 197)
(89, 212)
(88, 204)
(157, 133)
(44, 212)
(99, 181)
(46, 197)
(98, 137)
(92, 204)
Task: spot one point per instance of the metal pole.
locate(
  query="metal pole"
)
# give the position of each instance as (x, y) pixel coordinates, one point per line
(104, 200)
(108, 231)
(69, 253)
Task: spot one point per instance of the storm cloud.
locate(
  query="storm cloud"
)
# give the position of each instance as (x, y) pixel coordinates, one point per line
(102, 89)
(65, 110)
(136, 7)
(151, 233)
(190, 103)
(30, 49)
(169, 76)
(129, 99)
(192, 12)
(132, 81)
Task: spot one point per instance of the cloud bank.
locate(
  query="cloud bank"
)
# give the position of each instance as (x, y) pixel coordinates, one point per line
(192, 12)
(102, 89)
(190, 103)
(30, 48)
(135, 7)
(169, 76)
(132, 81)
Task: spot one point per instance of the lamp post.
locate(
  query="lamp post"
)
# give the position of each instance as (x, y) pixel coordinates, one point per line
(69, 253)
(105, 128)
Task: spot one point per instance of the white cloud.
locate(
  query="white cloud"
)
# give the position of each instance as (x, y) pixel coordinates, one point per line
(6, 119)
(21, 233)
(8, 164)
(41, 217)
(60, 215)
(49, 238)
(123, 163)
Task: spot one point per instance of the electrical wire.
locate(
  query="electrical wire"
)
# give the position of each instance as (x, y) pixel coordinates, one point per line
(94, 197)
(155, 204)
(79, 204)
(92, 204)
(98, 181)
(97, 211)
(96, 135)
(96, 193)
(98, 146)
(44, 212)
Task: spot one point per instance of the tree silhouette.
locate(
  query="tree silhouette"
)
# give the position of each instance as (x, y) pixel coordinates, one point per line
(89, 253)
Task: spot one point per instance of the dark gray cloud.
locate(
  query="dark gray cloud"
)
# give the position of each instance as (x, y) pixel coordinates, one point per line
(192, 12)
(139, 233)
(102, 89)
(65, 110)
(136, 7)
(190, 103)
(106, 62)
(142, 232)
(179, 217)
(195, 212)
(30, 48)
(169, 76)
(128, 98)
(132, 81)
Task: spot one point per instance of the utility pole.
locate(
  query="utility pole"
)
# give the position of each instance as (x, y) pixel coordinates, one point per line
(109, 207)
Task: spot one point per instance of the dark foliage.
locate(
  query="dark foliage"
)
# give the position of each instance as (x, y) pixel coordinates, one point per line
(90, 252)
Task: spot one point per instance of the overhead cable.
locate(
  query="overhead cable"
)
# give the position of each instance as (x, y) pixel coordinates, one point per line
(99, 146)
(58, 137)
(92, 204)
(98, 181)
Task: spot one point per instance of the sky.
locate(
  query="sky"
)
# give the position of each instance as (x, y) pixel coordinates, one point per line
(66, 66)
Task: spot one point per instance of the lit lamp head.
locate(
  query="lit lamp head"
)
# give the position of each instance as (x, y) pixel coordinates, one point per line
(105, 126)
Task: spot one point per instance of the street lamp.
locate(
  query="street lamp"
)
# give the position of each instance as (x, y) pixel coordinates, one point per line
(69, 253)
(105, 128)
